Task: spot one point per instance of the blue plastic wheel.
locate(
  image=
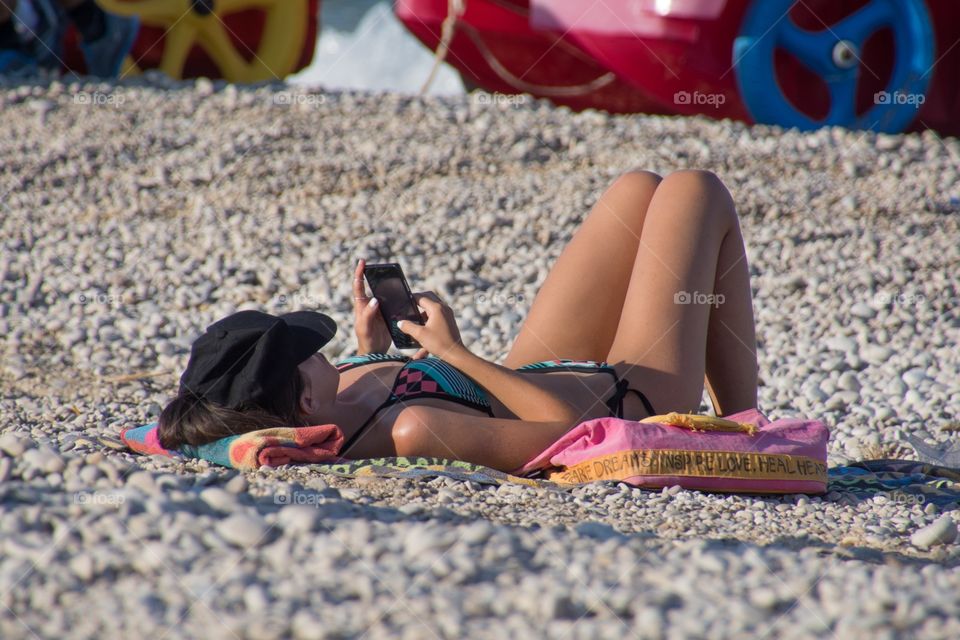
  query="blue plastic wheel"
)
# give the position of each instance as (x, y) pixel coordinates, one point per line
(834, 55)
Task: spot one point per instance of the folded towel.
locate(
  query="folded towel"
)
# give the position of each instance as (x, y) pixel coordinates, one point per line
(249, 451)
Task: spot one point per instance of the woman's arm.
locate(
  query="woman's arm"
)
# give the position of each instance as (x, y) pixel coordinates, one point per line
(526, 400)
(501, 443)
(439, 335)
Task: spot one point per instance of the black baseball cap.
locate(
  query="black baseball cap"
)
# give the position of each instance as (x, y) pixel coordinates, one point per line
(249, 355)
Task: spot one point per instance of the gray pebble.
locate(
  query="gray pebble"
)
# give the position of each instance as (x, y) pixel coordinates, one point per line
(243, 530)
(895, 388)
(914, 377)
(44, 459)
(841, 343)
(298, 518)
(862, 310)
(82, 566)
(876, 354)
(942, 531)
(307, 625)
(219, 499)
(142, 480)
(597, 530)
(848, 381)
(237, 484)
(14, 444)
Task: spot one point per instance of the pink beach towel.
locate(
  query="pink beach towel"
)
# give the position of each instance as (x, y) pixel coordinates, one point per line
(783, 456)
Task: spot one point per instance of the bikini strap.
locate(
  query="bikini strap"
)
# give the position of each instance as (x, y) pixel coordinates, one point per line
(349, 443)
(615, 402)
(368, 358)
(646, 402)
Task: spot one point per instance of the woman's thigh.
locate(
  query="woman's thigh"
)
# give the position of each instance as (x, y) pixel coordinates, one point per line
(660, 341)
(576, 311)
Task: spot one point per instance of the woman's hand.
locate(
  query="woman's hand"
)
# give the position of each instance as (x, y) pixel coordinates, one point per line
(439, 333)
(371, 330)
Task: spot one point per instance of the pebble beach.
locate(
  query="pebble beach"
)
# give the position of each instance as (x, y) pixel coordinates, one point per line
(133, 215)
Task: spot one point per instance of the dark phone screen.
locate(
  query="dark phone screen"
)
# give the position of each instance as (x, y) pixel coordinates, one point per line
(396, 303)
(389, 290)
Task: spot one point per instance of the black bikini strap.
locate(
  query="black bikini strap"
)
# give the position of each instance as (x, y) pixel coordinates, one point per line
(646, 403)
(615, 403)
(349, 443)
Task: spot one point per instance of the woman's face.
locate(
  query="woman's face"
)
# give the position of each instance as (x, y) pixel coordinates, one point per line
(321, 380)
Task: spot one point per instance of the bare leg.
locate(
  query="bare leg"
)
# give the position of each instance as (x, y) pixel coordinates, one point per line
(731, 366)
(669, 335)
(576, 313)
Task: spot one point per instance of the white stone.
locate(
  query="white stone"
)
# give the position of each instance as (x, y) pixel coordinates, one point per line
(14, 444)
(298, 518)
(243, 530)
(219, 499)
(943, 530)
(914, 377)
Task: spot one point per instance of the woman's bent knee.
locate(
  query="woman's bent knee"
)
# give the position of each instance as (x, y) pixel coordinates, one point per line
(699, 179)
(699, 184)
(640, 179)
(634, 186)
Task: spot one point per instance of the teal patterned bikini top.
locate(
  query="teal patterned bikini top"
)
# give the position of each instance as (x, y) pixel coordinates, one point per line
(426, 378)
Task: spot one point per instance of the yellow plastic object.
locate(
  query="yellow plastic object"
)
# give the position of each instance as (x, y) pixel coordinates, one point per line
(189, 22)
(697, 422)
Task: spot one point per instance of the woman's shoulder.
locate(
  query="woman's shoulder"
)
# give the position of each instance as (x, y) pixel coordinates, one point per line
(368, 358)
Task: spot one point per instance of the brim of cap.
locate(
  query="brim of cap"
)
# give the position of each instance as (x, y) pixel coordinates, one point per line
(312, 330)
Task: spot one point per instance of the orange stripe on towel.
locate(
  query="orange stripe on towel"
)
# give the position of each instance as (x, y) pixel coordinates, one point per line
(695, 463)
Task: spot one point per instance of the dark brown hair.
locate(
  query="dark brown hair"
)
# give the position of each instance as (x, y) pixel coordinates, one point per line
(189, 419)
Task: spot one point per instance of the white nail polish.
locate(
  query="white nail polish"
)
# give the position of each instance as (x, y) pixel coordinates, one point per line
(400, 324)
(373, 303)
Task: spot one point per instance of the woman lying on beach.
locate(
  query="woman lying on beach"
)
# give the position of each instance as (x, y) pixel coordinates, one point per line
(650, 300)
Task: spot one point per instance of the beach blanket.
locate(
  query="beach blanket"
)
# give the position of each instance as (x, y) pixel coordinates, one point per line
(907, 481)
(898, 480)
(422, 467)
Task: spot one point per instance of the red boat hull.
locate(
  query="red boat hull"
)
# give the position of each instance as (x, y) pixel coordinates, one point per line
(494, 47)
(665, 67)
(655, 73)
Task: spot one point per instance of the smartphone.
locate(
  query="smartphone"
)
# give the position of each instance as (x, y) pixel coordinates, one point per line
(392, 292)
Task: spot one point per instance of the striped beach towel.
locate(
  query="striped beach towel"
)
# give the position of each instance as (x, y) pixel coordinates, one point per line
(249, 451)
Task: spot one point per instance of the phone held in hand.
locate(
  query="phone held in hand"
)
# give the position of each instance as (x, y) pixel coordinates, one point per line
(390, 288)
